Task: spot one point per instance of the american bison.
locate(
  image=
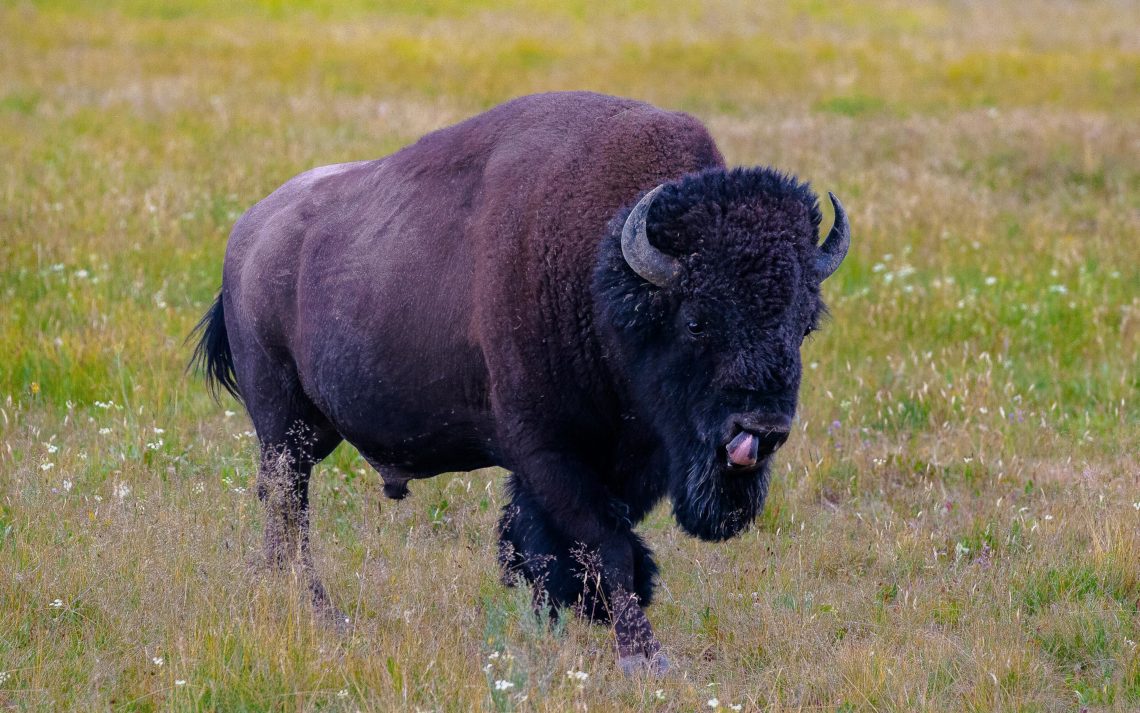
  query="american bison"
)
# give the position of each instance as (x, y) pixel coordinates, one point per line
(571, 286)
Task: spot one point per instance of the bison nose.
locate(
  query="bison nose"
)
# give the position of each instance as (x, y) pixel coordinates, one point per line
(753, 442)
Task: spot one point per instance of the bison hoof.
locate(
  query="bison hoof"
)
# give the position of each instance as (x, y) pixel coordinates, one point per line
(334, 619)
(637, 664)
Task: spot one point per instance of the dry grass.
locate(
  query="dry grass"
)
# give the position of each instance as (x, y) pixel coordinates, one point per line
(955, 527)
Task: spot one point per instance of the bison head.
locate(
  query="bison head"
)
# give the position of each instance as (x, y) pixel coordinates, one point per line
(708, 287)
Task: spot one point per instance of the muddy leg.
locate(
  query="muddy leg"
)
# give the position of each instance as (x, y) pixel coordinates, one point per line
(638, 648)
(606, 578)
(283, 487)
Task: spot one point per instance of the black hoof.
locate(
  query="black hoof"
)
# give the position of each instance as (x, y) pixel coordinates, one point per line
(335, 619)
(640, 664)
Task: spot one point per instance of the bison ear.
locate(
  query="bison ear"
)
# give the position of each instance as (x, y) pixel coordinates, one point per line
(835, 245)
(647, 261)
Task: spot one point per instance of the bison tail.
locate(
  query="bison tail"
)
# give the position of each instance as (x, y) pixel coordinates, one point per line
(212, 355)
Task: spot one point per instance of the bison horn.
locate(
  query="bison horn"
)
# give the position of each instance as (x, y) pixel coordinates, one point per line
(644, 259)
(835, 245)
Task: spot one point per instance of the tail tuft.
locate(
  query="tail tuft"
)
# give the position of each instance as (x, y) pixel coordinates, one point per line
(212, 355)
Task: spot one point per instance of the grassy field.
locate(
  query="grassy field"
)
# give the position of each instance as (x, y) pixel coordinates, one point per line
(955, 524)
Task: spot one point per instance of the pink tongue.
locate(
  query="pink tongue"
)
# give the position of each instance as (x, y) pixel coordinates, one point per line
(741, 449)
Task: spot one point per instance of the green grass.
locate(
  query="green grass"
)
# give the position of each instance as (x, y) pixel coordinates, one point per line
(954, 525)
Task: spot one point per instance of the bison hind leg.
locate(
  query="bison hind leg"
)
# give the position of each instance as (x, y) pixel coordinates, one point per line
(564, 574)
(293, 440)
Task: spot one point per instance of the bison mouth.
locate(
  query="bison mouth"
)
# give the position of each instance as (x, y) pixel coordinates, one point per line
(749, 447)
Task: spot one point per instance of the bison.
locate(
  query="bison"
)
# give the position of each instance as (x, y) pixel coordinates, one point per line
(571, 286)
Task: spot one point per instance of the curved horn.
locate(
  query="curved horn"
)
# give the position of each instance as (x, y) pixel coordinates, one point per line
(647, 261)
(835, 245)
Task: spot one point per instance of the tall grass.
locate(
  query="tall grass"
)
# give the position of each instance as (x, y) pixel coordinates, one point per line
(953, 526)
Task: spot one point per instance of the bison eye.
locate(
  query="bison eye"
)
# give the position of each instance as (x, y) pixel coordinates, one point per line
(695, 328)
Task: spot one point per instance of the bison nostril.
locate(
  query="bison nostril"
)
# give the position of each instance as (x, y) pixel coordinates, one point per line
(770, 441)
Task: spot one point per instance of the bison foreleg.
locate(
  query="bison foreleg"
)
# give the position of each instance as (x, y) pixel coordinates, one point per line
(638, 649)
(577, 555)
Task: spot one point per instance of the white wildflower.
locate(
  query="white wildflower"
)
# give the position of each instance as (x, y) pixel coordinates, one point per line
(81, 274)
(56, 604)
(199, 488)
(66, 485)
(736, 706)
(1059, 289)
(659, 694)
(714, 703)
(180, 682)
(4, 676)
(159, 431)
(229, 413)
(121, 491)
(577, 675)
(46, 466)
(342, 693)
(52, 448)
(501, 685)
(104, 431)
(158, 661)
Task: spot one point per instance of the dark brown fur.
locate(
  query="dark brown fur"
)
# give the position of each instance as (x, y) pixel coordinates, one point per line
(463, 303)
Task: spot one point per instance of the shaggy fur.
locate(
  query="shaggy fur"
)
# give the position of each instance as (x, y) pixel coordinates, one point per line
(746, 241)
(464, 302)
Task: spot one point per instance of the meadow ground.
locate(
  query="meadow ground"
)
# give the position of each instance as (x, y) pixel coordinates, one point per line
(955, 524)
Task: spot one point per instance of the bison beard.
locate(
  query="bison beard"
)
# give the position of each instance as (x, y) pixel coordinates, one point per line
(712, 503)
(571, 286)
